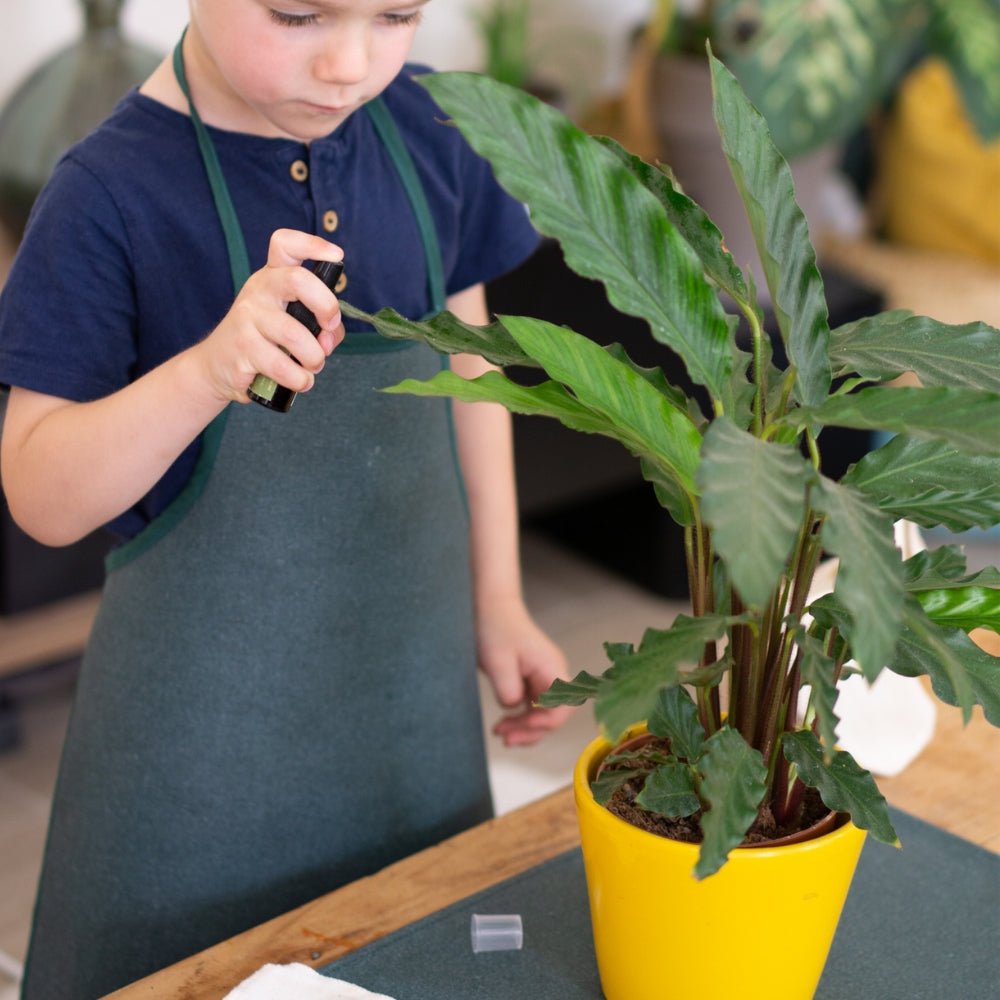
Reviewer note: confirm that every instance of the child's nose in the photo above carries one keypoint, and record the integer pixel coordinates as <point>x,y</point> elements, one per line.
<point>345,57</point>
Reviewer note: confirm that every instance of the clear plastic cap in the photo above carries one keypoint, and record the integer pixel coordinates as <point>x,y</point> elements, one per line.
<point>497,932</point>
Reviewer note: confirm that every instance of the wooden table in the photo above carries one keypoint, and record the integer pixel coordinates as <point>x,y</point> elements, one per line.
<point>54,632</point>
<point>344,920</point>
<point>953,784</point>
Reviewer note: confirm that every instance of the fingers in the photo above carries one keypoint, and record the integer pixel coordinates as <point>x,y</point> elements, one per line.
<point>290,247</point>
<point>509,686</point>
<point>519,678</point>
<point>531,725</point>
<point>259,336</point>
<point>308,289</point>
<point>329,339</point>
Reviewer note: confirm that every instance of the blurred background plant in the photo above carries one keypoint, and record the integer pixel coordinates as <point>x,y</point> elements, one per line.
<point>503,26</point>
<point>519,52</point>
<point>816,69</point>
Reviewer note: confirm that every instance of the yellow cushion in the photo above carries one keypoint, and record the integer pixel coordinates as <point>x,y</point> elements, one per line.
<point>940,182</point>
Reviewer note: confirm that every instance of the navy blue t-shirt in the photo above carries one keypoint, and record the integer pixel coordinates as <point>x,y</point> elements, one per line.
<point>124,263</point>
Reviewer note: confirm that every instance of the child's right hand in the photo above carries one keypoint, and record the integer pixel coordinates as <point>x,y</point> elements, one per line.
<point>69,467</point>
<point>250,337</point>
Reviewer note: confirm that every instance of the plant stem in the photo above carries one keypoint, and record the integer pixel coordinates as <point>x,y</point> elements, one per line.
<point>742,691</point>
<point>779,694</point>
<point>700,560</point>
<point>692,559</point>
<point>759,377</point>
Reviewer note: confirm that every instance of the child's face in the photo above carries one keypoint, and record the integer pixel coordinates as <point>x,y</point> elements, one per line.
<point>294,68</point>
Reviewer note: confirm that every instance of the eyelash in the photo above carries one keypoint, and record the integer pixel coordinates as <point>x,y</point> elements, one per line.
<point>300,20</point>
<point>404,19</point>
<point>291,20</point>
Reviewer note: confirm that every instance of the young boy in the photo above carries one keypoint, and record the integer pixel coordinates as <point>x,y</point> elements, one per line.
<point>279,693</point>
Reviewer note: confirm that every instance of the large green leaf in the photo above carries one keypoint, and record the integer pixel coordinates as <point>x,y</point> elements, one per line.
<point>604,786</point>
<point>944,563</point>
<point>676,718</point>
<point>610,227</point>
<point>549,399</point>
<point>670,791</point>
<point>781,235</point>
<point>885,346</point>
<point>817,671</point>
<point>677,397</point>
<point>646,420</point>
<point>447,334</point>
<point>960,672</point>
<point>944,568</point>
<point>631,687</point>
<point>754,499</point>
<point>692,222</point>
<point>968,419</point>
<point>870,575</point>
<point>579,690</point>
<point>843,785</point>
<point>609,397</point>
<point>930,483</point>
<point>966,608</point>
<point>733,785</point>
<point>967,35</point>
<point>950,659</point>
<point>708,242</point>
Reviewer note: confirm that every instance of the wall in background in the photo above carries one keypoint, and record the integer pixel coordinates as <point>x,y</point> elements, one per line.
<point>580,44</point>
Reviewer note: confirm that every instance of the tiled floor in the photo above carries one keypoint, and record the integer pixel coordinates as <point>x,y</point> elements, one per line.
<point>578,605</point>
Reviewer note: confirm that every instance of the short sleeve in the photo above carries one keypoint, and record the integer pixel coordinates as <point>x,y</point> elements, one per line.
<point>497,232</point>
<point>62,332</point>
<point>484,231</point>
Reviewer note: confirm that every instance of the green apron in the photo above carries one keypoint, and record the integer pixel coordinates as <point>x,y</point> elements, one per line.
<point>279,694</point>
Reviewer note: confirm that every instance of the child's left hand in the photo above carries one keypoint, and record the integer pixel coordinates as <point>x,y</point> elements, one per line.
<point>521,662</point>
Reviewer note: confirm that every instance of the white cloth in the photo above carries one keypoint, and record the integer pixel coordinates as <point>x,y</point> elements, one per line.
<point>297,982</point>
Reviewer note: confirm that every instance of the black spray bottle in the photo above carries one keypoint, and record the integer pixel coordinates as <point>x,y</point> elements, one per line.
<point>266,391</point>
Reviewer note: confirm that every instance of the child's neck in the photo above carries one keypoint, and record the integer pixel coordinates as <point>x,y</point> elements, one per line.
<point>162,86</point>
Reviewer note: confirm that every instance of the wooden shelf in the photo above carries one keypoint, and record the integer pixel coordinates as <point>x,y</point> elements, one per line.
<point>47,634</point>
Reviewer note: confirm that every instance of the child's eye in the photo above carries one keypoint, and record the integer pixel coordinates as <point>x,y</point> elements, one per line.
<point>292,20</point>
<point>402,18</point>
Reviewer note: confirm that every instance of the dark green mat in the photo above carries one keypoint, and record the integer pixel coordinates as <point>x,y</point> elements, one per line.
<point>921,923</point>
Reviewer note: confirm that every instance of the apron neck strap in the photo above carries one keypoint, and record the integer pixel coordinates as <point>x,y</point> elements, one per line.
<point>239,260</point>
<point>387,132</point>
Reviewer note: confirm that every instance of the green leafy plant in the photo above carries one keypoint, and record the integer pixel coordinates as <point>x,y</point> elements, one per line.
<point>503,26</point>
<point>817,70</point>
<point>739,464</point>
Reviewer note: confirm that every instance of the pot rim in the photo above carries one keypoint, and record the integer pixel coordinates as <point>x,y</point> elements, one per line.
<point>590,759</point>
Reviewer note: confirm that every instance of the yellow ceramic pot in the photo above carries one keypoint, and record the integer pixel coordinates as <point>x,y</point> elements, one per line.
<point>759,929</point>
